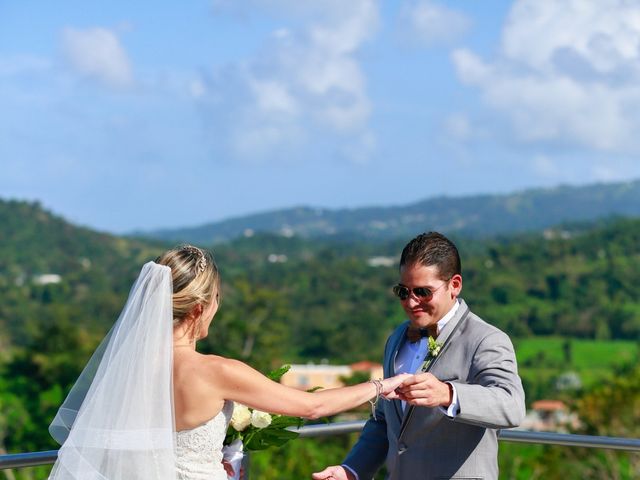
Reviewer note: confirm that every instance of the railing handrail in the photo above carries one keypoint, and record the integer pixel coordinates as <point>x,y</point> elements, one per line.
<point>508,435</point>
<point>32,459</point>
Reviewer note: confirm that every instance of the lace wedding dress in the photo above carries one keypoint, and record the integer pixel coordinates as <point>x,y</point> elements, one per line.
<point>199,450</point>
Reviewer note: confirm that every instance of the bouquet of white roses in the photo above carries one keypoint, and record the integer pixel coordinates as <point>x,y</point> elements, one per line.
<point>252,429</point>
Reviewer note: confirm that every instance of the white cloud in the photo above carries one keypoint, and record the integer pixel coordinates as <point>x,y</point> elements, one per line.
<point>545,166</point>
<point>259,142</point>
<point>273,96</point>
<point>97,53</point>
<point>604,33</point>
<point>458,126</point>
<point>196,88</point>
<point>305,85</point>
<point>567,73</point>
<point>429,23</point>
<point>360,149</point>
<point>471,69</point>
<point>17,65</point>
<point>607,173</point>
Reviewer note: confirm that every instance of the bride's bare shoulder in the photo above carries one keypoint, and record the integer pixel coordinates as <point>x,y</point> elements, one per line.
<point>210,370</point>
<point>215,366</point>
<point>200,372</point>
<point>216,361</point>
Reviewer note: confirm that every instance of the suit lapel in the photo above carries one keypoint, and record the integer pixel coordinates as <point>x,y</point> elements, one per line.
<point>391,366</point>
<point>451,325</point>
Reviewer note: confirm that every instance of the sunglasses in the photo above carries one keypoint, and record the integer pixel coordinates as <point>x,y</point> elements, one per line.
<point>403,292</point>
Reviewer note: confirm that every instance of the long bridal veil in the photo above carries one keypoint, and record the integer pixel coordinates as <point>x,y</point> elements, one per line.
<point>117,421</point>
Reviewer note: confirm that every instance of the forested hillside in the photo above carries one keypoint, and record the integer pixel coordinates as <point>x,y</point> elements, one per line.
<point>296,299</point>
<point>579,282</point>
<point>472,216</point>
<point>52,271</point>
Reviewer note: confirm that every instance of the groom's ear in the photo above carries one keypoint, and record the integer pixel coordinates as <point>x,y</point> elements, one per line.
<point>455,285</point>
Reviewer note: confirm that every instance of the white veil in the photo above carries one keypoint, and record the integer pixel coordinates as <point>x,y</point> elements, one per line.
<point>118,421</point>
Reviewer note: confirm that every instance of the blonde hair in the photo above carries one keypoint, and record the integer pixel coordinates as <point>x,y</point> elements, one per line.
<point>195,277</point>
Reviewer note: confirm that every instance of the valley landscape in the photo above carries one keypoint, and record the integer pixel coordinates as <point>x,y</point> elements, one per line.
<point>293,293</point>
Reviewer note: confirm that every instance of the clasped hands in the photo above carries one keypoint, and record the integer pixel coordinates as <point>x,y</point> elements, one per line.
<point>424,390</point>
<point>421,389</point>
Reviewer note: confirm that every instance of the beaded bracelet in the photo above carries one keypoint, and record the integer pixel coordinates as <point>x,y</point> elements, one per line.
<point>374,403</point>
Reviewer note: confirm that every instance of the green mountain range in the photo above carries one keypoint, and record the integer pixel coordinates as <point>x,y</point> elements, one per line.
<point>477,216</point>
<point>291,299</point>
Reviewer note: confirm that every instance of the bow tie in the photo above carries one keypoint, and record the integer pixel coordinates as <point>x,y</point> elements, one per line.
<point>415,334</point>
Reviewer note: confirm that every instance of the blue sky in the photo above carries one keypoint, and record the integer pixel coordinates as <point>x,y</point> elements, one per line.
<point>139,115</point>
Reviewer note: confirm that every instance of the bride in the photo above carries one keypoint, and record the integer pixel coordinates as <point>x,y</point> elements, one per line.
<point>147,405</point>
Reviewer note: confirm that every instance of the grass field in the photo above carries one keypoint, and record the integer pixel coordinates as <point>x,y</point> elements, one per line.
<point>542,359</point>
<point>584,353</point>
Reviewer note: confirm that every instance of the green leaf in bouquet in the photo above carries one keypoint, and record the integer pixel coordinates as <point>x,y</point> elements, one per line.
<point>267,437</point>
<point>231,435</point>
<point>283,421</point>
<point>277,438</point>
<point>276,375</point>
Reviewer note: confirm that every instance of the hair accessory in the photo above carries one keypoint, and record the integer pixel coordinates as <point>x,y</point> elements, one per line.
<point>201,262</point>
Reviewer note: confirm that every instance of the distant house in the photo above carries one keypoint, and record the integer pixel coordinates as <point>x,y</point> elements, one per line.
<point>47,279</point>
<point>276,258</point>
<point>312,375</point>
<point>549,416</point>
<point>375,369</point>
<point>382,261</point>
<point>308,376</point>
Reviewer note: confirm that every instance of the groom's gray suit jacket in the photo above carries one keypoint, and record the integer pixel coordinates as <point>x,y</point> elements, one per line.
<point>424,443</point>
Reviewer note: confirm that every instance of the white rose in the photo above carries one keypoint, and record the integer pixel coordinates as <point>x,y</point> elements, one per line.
<point>260,419</point>
<point>241,417</point>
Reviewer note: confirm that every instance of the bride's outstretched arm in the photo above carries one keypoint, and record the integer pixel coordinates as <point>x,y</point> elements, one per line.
<point>239,382</point>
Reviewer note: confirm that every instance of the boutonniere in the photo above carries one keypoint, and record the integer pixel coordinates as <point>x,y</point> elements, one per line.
<point>434,347</point>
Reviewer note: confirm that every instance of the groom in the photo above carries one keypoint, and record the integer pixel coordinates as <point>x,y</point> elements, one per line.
<point>465,389</point>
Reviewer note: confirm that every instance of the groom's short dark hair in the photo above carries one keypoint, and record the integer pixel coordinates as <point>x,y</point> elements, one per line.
<point>433,248</point>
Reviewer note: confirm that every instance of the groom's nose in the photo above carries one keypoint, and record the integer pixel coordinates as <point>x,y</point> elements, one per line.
<point>412,301</point>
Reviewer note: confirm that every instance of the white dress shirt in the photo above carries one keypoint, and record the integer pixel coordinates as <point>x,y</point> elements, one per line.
<point>411,356</point>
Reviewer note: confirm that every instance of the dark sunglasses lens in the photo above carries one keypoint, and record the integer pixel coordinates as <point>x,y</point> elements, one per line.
<point>401,292</point>
<point>422,292</point>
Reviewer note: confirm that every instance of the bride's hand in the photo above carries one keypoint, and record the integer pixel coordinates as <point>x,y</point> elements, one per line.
<point>389,385</point>
<point>228,468</point>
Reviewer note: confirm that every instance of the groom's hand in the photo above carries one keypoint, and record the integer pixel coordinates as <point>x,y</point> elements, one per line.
<point>334,472</point>
<point>390,385</point>
<point>425,390</point>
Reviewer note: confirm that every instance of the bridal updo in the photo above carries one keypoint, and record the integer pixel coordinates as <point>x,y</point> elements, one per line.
<point>195,280</point>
